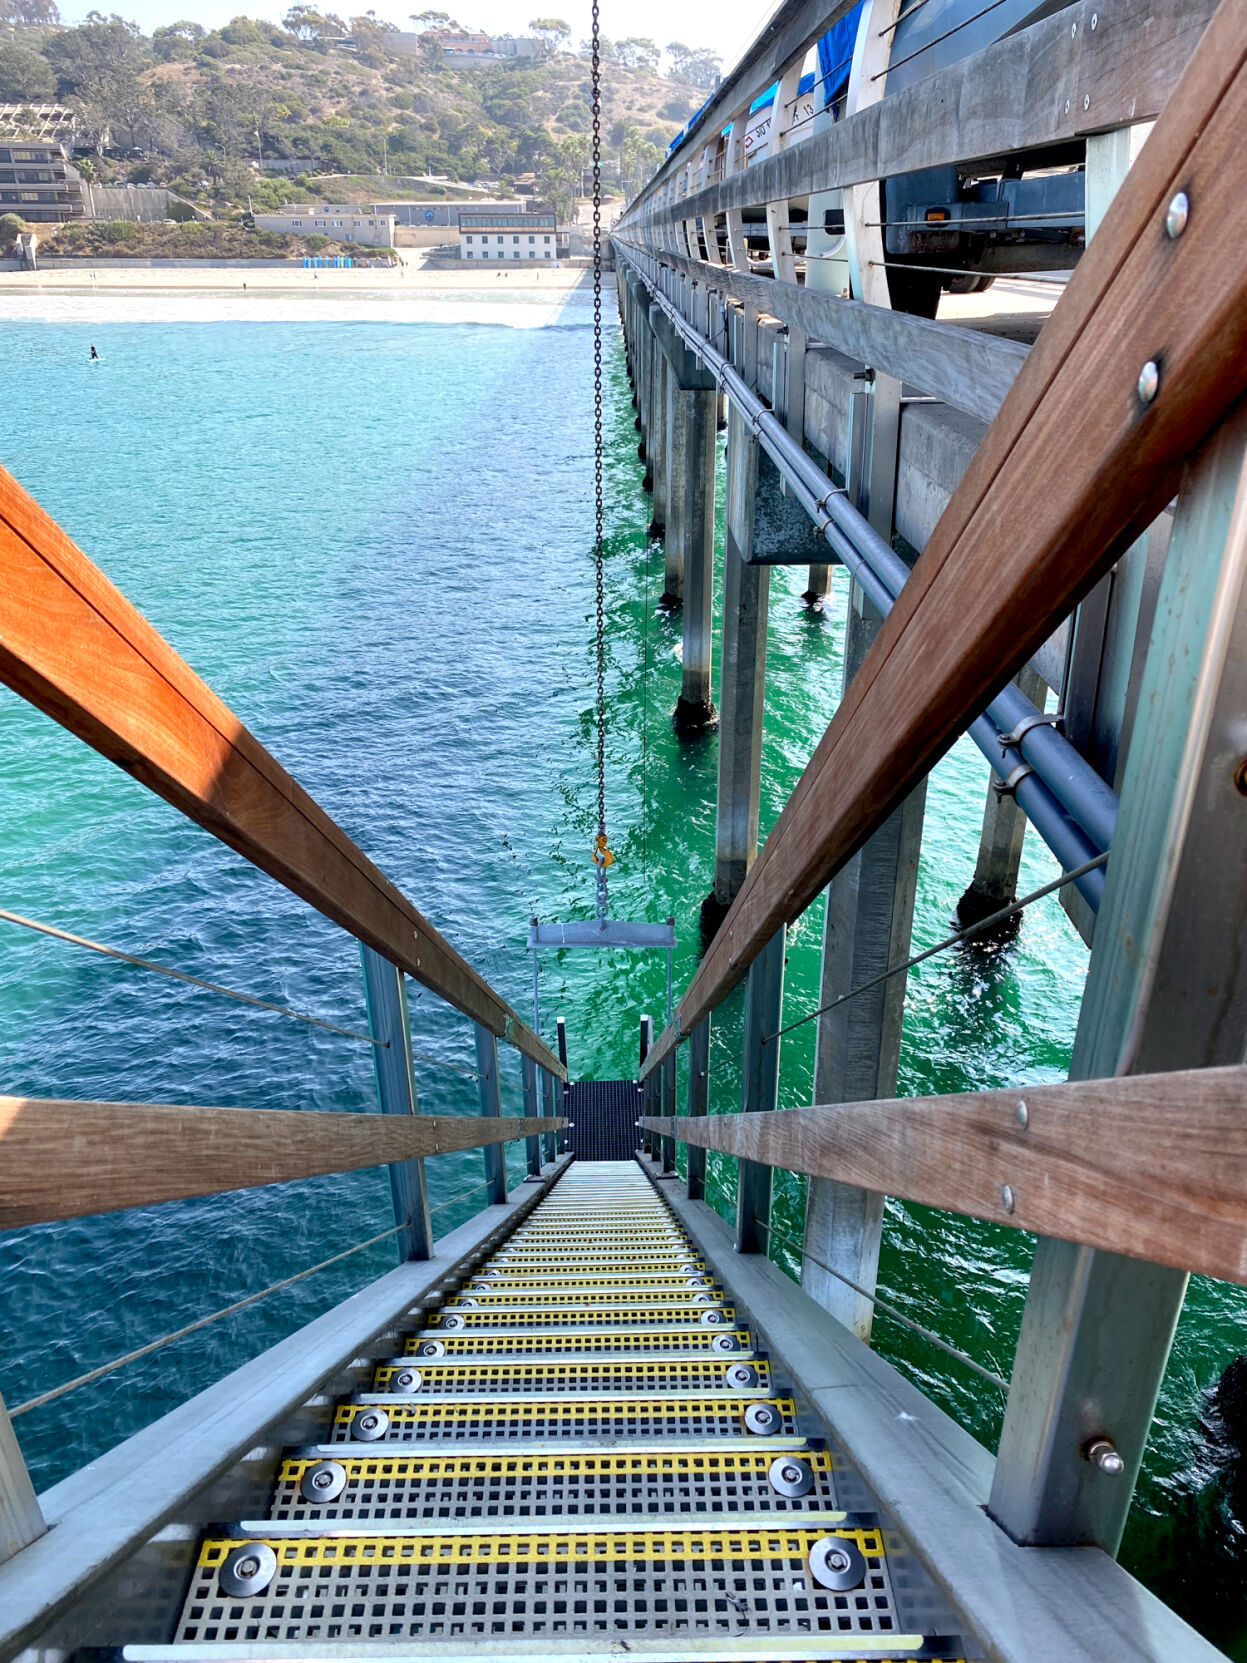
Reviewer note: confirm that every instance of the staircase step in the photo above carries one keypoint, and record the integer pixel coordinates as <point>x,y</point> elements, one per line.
<point>701,1371</point>
<point>728,1579</point>
<point>582,1315</point>
<point>604,1414</point>
<point>564,1478</point>
<point>583,1340</point>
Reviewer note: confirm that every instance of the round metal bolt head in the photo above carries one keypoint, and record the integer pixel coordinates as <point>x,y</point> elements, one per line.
<point>725,1342</point>
<point>687,1270</point>
<point>741,1375</point>
<point>762,1418</point>
<point>481,1287</point>
<point>406,1380</point>
<point>1086,100</point>
<point>712,1318</point>
<point>1073,30</point>
<point>248,1570</point>
<point>323,1482</point>
<point>703,1299</point>
<point>453,1323</point>
<point>1024,1115</point>
<point>1095,20</point>
<point>837,1563</point>
<point>697,1282</point>
<point>791,1477</point>
<point>369,1425</point>
<point>431,1348</point>
<point>1178,214</point>
<point>1067,106</point>
<point>1006,1197</point>
<point>1149,381</point>
<point>1102,1453</point>
<point>465,1304</point>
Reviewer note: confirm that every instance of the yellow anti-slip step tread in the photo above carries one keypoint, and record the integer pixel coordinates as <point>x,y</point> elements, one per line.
<point>709,1369</point>
<point>614,1342</point>
<point>392,1463</point>
<point>770,1539</point>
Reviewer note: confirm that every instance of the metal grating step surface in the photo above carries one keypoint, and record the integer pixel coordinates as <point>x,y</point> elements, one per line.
<point>662,1480</point>
<point>578,1341</point>
<point>379,1585</point>
<point>579,1452</point>
<point>582,1316</point>
<point>375,1417</point>
<point>562,1374</point>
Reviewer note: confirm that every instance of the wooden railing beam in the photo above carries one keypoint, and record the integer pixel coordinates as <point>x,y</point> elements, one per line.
<point>1153,1166</point>
<point>63,1159</point>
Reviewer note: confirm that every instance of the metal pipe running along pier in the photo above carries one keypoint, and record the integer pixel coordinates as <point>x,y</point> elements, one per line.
<point>596,1419</point>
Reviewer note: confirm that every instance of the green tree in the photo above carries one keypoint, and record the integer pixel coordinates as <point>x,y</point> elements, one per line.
<point>696,65</point>
<point>25,77</point>
<point>638,53</point>
<point>29,14</point>
<point>173,41</point>
<point>551,32</point>
<point>11,227</point>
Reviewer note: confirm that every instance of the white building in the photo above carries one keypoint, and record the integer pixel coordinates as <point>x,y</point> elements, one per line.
<point>349,223</point>
<point>506,237</point>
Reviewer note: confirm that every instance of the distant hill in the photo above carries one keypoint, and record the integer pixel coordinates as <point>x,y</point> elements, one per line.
<point>194,108</point>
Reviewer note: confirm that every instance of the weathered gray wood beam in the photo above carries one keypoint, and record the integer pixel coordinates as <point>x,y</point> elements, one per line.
<point>1153,1166</point>
<point>968,370</point>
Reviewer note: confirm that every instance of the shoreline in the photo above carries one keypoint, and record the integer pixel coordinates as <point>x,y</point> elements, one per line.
<point>402,280</point>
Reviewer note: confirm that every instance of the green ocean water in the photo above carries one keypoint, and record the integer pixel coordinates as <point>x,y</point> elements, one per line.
<point>370,528</point>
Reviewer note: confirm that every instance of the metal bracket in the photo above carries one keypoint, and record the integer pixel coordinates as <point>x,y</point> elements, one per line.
<point>1008,787</point>
<point>1010,740</point>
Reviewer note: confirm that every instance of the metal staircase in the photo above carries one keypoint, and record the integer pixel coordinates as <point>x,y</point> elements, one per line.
<point>580,1453</point>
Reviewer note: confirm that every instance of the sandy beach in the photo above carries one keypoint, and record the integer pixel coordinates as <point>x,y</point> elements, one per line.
<point>409,278</point>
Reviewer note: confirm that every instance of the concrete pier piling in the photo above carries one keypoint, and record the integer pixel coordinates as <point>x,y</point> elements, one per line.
<point>691,450</point>
<point>995,881</point>
<point>742,680</point>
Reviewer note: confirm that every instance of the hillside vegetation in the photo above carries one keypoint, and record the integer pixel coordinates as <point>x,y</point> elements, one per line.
<point>195,108</point>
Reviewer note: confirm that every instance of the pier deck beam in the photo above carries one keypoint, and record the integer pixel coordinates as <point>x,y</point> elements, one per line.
<point>1166,989</point>
<point>385,995</point>
<point>995,881</point>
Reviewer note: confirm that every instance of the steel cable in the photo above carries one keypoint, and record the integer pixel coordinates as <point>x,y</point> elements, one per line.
<point>193,1327</point>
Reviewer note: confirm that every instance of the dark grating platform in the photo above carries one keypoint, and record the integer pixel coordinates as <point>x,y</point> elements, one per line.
<point>603,1114</point>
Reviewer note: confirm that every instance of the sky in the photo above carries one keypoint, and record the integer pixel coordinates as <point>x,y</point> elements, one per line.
<point>725,26</point>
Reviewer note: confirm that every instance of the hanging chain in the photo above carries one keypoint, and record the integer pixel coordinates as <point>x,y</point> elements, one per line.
<point>602,856</point>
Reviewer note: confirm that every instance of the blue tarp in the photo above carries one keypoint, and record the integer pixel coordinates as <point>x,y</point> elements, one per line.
<point>835,56</point>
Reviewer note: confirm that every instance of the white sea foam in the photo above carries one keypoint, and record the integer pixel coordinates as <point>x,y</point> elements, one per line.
<point>519,310</point>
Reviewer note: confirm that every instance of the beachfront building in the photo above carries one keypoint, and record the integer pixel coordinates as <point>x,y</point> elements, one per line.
<point>435,223</point>
<point>507,237</point>
<point>349,223</point>
<point>38,182</point>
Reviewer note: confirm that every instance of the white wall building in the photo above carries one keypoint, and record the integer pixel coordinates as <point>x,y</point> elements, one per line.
<point>507,237</point>
<point>349,223</point>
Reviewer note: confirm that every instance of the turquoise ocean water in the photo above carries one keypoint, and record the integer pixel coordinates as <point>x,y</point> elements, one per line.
<point>368,525</point>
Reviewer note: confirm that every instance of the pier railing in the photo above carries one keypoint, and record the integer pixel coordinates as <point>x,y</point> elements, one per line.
<point>73,646</point>
<point>1079,509</point>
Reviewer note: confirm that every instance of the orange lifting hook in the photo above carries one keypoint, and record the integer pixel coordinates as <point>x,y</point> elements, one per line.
<point>602,857</point>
